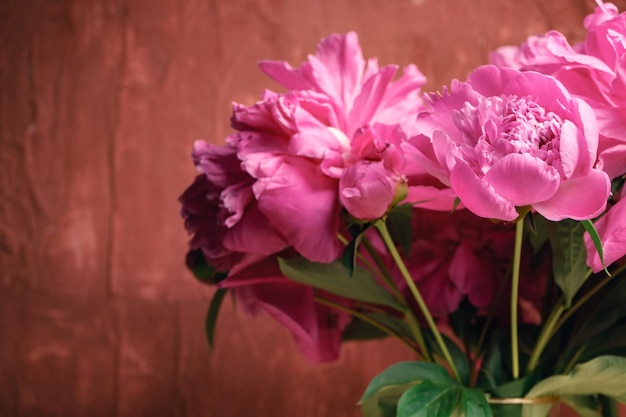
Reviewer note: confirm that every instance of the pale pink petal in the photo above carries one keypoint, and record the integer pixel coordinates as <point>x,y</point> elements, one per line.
<point>490,80</point>
<point>590,135</point>
<point>578,198</point>
<point>478,196</point>
<point>284,74</point>
<point>370,98</point>
<point>438,117</point>
<point>613,160</point>
<point>403,99</point>
<point>545,90</point>
<point>314,139</point>
<point>432,198</point>
<point>522,179</point>
<point>338,67</point>
<point>570,149</point>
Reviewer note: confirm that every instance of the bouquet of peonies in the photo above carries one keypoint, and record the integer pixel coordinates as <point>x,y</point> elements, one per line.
<point>482,226</point>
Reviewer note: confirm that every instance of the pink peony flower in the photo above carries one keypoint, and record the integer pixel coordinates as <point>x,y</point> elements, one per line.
<point>594,70</point>
<point>299,145</point>
<point>297,159</point>
<point>505,140</point>
<point>611,228</point>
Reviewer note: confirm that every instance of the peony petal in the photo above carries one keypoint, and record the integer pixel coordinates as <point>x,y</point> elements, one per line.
<point>367,103</point>
<point>432,198</point>
<point>338,67</point>
<point>613,160</point>
<point>523,179</point>
<point>544,89</point>
<point>570,149</point>
<point>253,234</point>
<point>490,80</point>
<point>578,198</point>
<point>471,276</point>
<point>284,74</point>
<point>301,203</point>
<point>478,196</point>
<point>443,105</point>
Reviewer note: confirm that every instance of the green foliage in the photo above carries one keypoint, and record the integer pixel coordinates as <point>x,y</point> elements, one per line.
<point>603,375</point>
<point>595,238</point>
<point>421,389</point>
<point>399,223</point>
<point>362,330</point>
<point>402,373</point>
<point>430,399</point>
<point>348,257</point>
<point>202,270</point>
<point>212,313</point>
<point>569,257</point>
<point>336,279</point>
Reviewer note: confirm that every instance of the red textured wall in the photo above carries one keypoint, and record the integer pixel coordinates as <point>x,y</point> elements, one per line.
<point>100,101</point>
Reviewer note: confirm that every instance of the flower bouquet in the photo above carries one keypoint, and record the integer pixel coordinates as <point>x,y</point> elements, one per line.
<point>481,226</point>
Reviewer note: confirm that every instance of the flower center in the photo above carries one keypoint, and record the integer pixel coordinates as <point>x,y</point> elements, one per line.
<point>502,125</point>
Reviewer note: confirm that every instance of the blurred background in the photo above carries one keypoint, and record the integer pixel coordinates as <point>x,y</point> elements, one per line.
<point>100,102</point>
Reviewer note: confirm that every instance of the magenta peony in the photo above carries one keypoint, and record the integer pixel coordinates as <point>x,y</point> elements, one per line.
<point>341,118</point>
<point>507,140</point>
<point>332,142</point>
<point>594,70</point>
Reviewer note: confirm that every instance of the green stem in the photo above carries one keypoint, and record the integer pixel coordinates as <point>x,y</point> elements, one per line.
<point>517,256</point>
<point>369,320</point>
<point>384,274</point>
<point>384,233</point>
<point>410,318</point>
<point>549,328</point>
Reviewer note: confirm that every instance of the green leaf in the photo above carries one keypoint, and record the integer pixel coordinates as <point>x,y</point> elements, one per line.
<point>430,399</point>
<point>593,323</point>
<point>491,368</point>
<point>403,373</point>
<point>362,330</point>
<point>604,375</point>
<point>204,272</point>
<point>334,278</point>
<point>211,317</point>
<point>512,389</point>
<point>595,238</point>
<point>456,203</point>
<point>538,234</point>
<point>474,403</point>
<point>569,257</point>
<point>399,223</point>
<point>458,357</point>
<point>348,257</point>
<point>384,403</point>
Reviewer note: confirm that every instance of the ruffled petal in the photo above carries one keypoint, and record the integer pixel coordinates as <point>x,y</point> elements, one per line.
<point>301,203</point>
<point>478,196</point>
<point>578,198</point>
<point>523,179</point>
